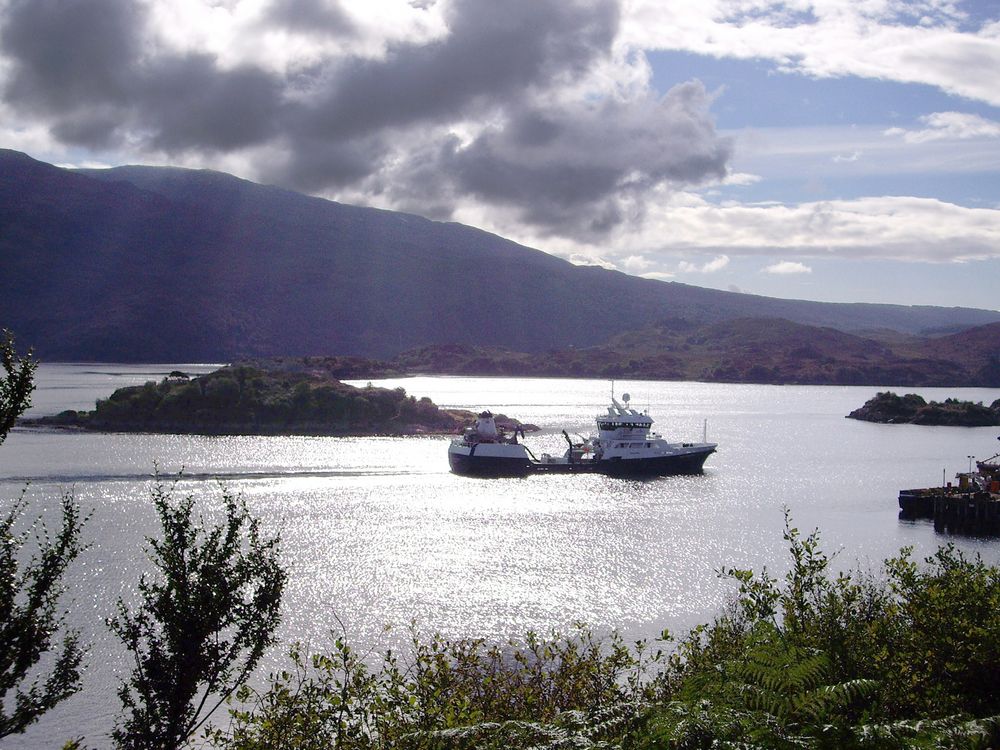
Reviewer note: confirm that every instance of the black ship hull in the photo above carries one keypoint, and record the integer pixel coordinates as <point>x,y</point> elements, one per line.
<point>484,465</point>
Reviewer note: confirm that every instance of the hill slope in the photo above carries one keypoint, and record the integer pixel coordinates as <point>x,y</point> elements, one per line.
<point>163,264</point>
<point>745,350</point>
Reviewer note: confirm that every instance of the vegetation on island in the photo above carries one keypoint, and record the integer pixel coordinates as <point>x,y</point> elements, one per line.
<point>911,408</point>
<point>279,397</point>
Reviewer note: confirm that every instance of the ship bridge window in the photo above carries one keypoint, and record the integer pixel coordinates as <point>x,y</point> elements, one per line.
<point>621,425</point>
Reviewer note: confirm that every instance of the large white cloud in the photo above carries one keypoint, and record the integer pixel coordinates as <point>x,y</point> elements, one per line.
<point>881,228</point>
<point>908,42</point>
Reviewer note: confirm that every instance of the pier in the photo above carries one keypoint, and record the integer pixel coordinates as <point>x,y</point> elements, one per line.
<point>971,507</point>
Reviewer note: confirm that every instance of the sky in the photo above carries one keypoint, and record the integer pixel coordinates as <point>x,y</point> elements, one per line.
<point>835,150</point>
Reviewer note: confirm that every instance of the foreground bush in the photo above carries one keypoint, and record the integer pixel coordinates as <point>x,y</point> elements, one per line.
<point>908,660</point>
<point>202,622</point>
<point>451,693</point>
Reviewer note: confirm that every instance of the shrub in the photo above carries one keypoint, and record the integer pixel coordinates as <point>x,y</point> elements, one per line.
<point>448,693</point>
<point>202,623</point>
<point>30,619</point>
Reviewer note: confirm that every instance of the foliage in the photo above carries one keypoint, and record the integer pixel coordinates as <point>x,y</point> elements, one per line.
<point>808,660</point>
<point>776,695</point>
<point>30,619</point>
<point>942,644</point>
<point>818,660</point>
<point>559,692</point>
<point>16,384</point>
<point>202,623</point>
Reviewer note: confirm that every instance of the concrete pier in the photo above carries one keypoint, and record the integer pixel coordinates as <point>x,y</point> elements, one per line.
<point>953,509</point>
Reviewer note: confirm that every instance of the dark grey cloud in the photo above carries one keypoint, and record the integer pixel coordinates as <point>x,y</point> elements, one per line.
<point>494,56</point>
<point>494,51</point>
<point>70,54</point>
<point>189,102</point>
<point>91,70</point>
<point>318,164</point>
<point>313,17</point>
<point>580,169</point>
<point>81,63</point>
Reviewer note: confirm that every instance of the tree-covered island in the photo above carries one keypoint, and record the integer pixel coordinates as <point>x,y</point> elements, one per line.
<point>275,397</point>
<point>890,408</point>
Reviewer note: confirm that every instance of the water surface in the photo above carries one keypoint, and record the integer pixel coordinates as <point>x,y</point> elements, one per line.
<point>376,531</point>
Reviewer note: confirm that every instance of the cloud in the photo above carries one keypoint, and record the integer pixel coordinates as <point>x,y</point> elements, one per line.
<point>526,106</point>
<point>787,267</point>
<point>683,224</point>
<point>741,179</point>
<point>82,65</point>
<point>311,17</point>
<point>949,126</point>
<point>841,158</point>
<point>579,169</point>
<point>823,152</point>
<point>930,42</point>
<point>491,50</point>
<point>711,266</point>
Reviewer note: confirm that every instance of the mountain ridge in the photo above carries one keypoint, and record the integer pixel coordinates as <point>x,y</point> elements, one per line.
<point>167,264</point>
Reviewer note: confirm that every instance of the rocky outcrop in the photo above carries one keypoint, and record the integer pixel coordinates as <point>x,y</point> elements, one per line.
<point>889,408</point>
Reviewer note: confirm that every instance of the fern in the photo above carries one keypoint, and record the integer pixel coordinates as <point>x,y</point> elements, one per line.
<point>570,730</point>
<point>776,694</point>
<point>949,732</point>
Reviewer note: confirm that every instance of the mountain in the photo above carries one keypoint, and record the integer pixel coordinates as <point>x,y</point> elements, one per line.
<point>165,264</point>
<point>745,350</point>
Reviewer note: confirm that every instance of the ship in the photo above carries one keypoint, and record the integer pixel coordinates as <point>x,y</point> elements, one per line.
<point>624,445</point>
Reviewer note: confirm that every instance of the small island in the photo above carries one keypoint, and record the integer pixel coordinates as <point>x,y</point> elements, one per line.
<point>890,408</point>
<point>274,397</point>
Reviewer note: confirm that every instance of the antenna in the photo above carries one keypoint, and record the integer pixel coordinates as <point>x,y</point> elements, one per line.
<point>704,432</point>
<point>612,389</point>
